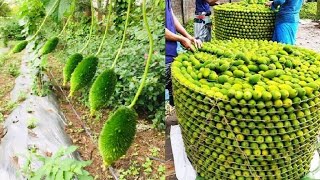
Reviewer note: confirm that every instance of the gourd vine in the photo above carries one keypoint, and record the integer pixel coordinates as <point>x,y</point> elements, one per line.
<point>105,84</point>
<point>119,130</point>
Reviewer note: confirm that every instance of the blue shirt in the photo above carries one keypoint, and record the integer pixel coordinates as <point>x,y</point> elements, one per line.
<point>289,10</point>
<point>202,6</point>
<point>171,46</point>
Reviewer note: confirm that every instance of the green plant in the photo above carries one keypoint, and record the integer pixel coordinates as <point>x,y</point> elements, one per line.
<point>309,11</point>
<point>119,130</point>
<point>161,170</point>
<point>31,13</point>
<point>14,70</point>
<point>4,9</point>
<point>132,171</point>
<point>147,166</point>
<point>32,123</point>
<point>57,166</point>
<point>155,151</point>
<point>10,30</point>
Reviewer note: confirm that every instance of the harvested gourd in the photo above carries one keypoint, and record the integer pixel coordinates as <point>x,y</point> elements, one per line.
<point>243,20</point>
<point>248,109</point>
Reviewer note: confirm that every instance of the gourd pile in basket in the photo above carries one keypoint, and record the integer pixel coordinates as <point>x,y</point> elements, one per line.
<point>243,20</point>
<point>248,109</point>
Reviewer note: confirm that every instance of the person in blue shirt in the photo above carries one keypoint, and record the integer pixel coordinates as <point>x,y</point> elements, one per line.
<point>202,21</point>
<point>173,27</point>
<point>287,20</point>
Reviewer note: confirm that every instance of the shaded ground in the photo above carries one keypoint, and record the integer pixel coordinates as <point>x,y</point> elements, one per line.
<point>309,35</point>
<point>145,158</point>
<point>9,70</point>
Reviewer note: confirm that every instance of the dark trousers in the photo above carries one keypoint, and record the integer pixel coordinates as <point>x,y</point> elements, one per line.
<point>169,83</point>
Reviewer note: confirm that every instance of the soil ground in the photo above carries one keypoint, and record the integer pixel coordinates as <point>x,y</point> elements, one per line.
<point>149,143</point>
<point>309,35</point>
<point>9,70</point>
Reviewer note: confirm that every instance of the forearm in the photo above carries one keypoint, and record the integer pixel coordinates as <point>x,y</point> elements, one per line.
<point>180,29</point>
<point>212,2</point>
<point>171,36</point>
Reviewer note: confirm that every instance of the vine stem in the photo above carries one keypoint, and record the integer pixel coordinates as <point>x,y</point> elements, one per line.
<point>72,11</point>
<point>107,25</point>
<point>149,56</point>
<point>123,36</point>
<point>44,20</point>
<point>91,28</point>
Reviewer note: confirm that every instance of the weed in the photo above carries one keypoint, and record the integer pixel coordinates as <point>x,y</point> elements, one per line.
<point>57,166</point>
<point>22,97</point>
<point>154,151</point>
<point>132,171</point>
<point>14,70</point>
<point>147,166</point>
<point>32,123</point>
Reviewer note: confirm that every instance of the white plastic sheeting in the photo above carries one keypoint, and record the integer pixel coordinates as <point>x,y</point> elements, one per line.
<point>47,136</point>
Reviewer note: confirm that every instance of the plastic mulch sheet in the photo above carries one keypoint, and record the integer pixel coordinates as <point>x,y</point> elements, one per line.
<point>47,136</point>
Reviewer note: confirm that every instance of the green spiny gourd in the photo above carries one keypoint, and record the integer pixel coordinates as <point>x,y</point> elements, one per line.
<point>117,134</point>
<point>102,89</point>
<point>50,46</point>
<point>20,46</point>
<point>83,73</point>
<point>71,64</point>
<point>119,130</point>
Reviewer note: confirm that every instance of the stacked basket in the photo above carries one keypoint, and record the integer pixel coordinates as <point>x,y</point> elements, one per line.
<point>248,109</point>
<point>242,20</point>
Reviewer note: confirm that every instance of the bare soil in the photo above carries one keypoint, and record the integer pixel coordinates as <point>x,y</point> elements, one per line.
<point>9,66</point>
<point>146,137</point>
<point>309,35</point>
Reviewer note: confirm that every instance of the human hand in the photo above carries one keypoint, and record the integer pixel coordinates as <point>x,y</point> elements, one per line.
<point>269,3</point>
<point>197,42</point>
<point>185,42</point>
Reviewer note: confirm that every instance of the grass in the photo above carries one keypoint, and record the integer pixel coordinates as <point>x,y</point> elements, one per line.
<point>309,11</point>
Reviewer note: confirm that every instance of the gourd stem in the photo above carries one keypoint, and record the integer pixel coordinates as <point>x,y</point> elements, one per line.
<point>91,28</point>
<point>123,36</point>
<point>107,25</point>
<point>44,20</point>
<point>149,55</point>
<point>72,11</point>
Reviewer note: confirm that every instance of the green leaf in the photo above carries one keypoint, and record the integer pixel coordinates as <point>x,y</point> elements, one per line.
<point>59,175</point>
<point>67,175</point>
<point>63,7</point>
<point>84,177</point>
